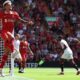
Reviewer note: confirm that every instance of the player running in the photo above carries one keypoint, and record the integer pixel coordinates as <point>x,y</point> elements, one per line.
<point>24,50</point>
<point>7,18</point>
<point>67,55</point>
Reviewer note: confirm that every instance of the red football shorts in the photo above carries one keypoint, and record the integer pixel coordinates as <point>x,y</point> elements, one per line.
<point>8,40</point>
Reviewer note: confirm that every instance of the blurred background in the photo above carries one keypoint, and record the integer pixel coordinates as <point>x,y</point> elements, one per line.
<point>51,18</point>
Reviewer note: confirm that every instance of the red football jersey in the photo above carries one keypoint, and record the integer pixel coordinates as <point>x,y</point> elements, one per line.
<point>8,19</point>
<point>23,47</point>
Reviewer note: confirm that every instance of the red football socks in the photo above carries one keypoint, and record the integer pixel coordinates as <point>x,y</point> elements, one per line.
<point>4,59</point>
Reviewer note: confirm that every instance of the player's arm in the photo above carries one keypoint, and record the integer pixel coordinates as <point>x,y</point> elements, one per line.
<point>63,46</point>
<point>29,49</point>
<point>25,21</point>
<point>78,41</point>
<point>19,19</point>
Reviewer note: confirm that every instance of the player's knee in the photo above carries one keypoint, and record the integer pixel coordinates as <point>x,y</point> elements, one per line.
<point>10,36</point>
<point>8,50</point>
<point>4,36</point>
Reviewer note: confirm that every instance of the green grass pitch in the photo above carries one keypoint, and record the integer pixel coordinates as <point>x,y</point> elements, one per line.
<point>42,74</point>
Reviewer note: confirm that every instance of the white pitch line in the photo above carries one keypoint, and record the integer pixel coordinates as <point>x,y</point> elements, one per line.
<point>15,78</point>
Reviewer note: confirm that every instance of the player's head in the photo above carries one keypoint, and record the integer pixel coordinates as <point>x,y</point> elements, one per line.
<point>23,38</point>
<point>60,37</point>
<point>17,36</point>
<point>7,5</point>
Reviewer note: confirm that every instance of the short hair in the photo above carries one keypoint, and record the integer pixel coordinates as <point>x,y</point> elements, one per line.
<point>17,35</point>
<point>7,2</point>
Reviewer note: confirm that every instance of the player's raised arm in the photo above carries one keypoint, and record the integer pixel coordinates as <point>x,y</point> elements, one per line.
<point>26,21</point>
<point>19,19</point>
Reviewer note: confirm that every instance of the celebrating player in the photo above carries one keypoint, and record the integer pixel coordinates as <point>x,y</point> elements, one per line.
<point>24,50</point>
<point>67,55</point>
<point>7,18</point>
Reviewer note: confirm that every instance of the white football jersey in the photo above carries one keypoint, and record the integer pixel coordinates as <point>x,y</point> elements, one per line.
<point>68,53</point>
<point>64,43</point>
<point>16,44</point>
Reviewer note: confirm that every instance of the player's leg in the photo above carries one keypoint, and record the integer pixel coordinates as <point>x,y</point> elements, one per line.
<point>4,35</point>
<point>75,66</point>
<point>8,40</point>
<point>3,61</point>
<point>23,66</point>
<point>8,49</point>
<point>62,66</point>
<point>10,36</point>
<point>4,57</point>
<point>23,63</point>
<point>16,55</point>
<point>19,61</point>
<point>20,66</point>
<point>7,36</point>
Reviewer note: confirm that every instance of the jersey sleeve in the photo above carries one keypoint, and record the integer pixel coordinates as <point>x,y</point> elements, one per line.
<point>17,17</point>
<point>62,43</point>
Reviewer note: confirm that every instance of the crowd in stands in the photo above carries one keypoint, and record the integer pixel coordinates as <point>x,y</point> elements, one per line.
<point>43,34</point>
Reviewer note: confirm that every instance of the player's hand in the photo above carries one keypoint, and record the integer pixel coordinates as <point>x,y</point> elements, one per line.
<point>30,22</point>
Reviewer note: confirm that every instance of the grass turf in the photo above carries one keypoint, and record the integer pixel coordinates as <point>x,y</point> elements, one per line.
<point>42,74</point>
